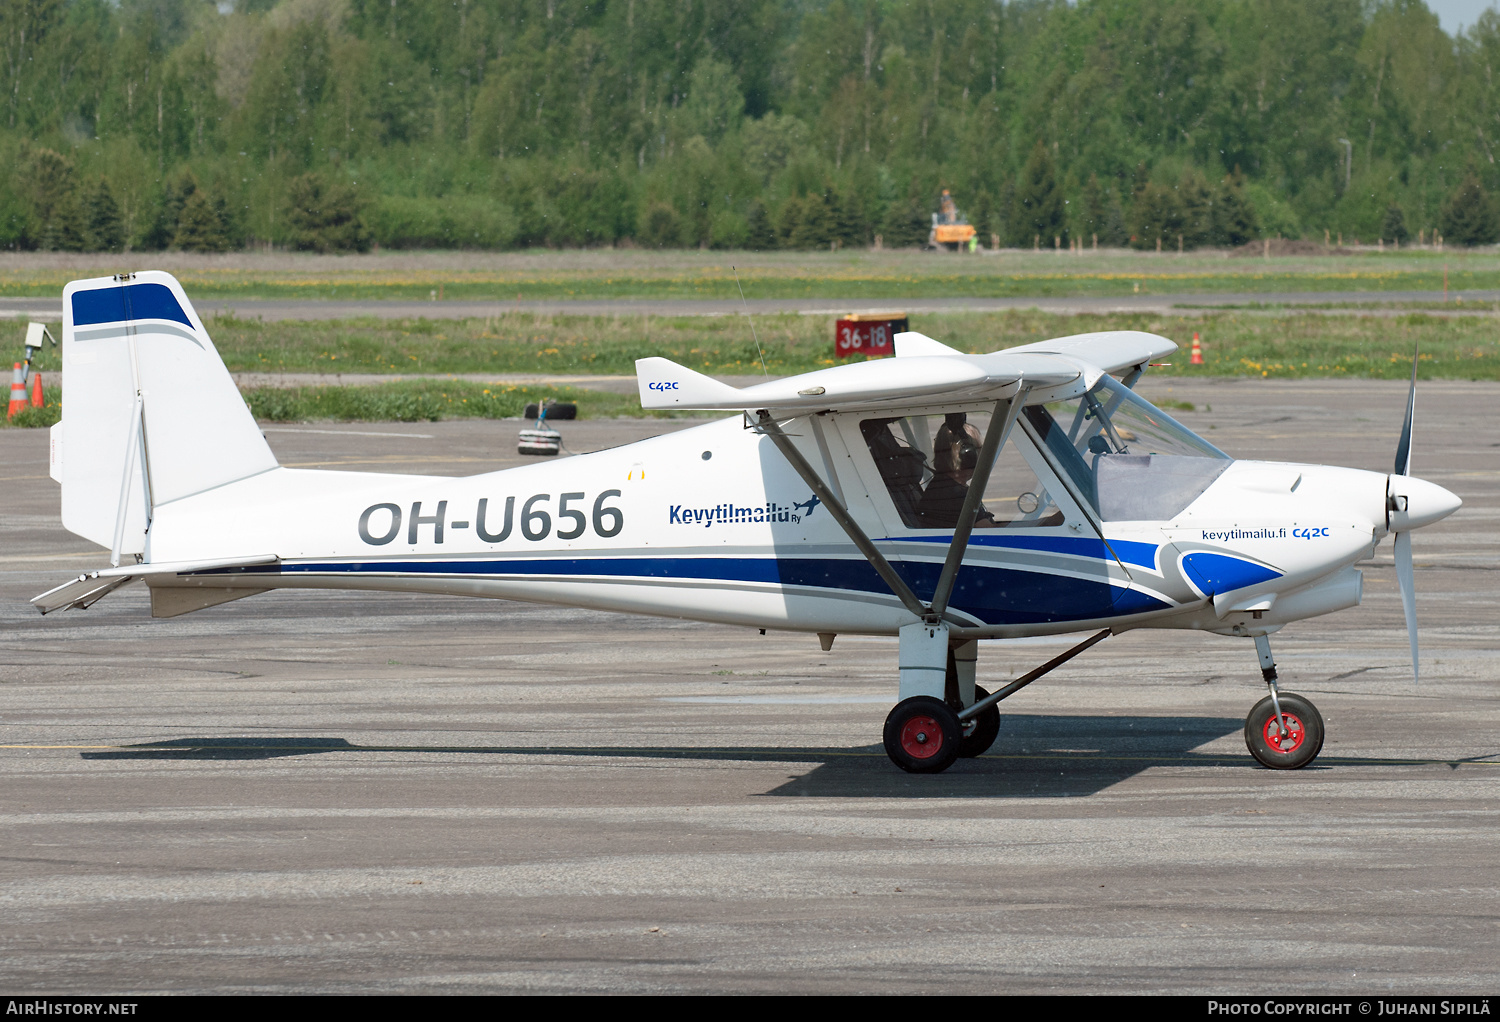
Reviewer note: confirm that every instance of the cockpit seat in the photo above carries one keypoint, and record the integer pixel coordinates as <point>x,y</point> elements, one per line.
<point>900,466</point>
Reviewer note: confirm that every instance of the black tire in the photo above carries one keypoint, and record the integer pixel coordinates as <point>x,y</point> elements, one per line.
<point>559,410</point>
<point>980,733</point>
<point>1306,726</point>
<point>922,735</point>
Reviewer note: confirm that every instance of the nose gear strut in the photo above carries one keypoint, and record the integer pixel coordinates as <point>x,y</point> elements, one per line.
<point>1268,672</point>
<point>1283,731</point>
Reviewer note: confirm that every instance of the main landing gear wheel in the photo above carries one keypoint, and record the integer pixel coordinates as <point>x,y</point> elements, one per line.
<point>1289,749</point>
<point>980,732</point>
<point>922,736</point>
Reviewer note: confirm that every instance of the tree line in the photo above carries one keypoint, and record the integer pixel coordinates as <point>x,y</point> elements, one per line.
<point>336,125</point>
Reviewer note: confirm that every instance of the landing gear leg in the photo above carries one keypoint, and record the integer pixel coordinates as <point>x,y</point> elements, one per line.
<point>1283,731</point>
<point>979,732</point>
<point>1268,672</point>
<point>922,734</point>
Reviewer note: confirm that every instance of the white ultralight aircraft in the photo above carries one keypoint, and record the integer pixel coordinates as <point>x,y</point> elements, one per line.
<point>936,496</point>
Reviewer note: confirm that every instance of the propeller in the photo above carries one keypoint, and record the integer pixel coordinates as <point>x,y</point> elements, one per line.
<point>1408,595</point>
<point>1403,537</point>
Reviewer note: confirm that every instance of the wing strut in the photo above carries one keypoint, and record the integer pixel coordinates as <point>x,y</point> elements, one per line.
<point>994,439</point>
<point>969,713</point>
<point>768,426</point>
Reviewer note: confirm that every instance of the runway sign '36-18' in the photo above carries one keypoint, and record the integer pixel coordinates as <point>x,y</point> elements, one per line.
<point>869,335</point>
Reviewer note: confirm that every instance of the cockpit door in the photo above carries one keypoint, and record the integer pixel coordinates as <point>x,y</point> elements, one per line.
<point>1034,554</point>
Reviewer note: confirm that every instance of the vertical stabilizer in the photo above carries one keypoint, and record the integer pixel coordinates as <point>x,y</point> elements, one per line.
<point>150,413</point>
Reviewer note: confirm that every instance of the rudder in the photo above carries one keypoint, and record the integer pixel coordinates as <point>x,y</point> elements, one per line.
<point>150,414</point>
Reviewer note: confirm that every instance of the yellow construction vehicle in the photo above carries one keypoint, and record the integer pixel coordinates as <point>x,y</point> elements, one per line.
<point>949,228</point>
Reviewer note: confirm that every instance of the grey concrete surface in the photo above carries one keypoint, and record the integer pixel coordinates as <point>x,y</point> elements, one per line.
<point>350,793</point>
<point>1481,303</point>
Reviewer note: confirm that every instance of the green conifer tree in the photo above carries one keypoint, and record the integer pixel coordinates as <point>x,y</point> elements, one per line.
<point>162,233</point>
<point>762,233</point>
<point>847,218</point>
<point>1039,201</point>
<point>199,227</point>
<point>1234,218</point>
<point>1093,208</point>
<point>983,216</point>
<point>1469,217</point>
<point>229,222</point>
<point>106,228</point>
<point>1393,227</point>
<point>788,219</point>
<point>814,228</point>
<point>1197,202</point>
<point>1155,216</point>
<point>1102,214</point>
<point>66,230</point>
<point>325,216</point>
<point>908,222</point>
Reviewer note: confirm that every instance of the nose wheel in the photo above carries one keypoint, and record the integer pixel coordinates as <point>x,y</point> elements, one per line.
<point>1284,731</point>
<point>1286,743</point>
<point>923,736</point>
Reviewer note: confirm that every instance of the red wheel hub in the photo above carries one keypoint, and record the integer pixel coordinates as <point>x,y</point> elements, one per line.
<point>922,737</point>
<point>1285,741</point>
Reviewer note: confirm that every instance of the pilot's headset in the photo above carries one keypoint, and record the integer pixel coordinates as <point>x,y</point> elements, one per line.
<point>956,423</point>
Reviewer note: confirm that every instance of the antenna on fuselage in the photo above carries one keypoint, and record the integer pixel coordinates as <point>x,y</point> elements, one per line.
<point>746,306</point>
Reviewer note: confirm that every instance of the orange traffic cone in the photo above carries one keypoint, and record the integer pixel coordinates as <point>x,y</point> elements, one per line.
<point>37,401</point>
<point>17,392</point>
<point>1197,358</point>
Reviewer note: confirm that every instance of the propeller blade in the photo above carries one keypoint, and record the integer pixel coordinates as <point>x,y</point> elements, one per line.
<point>1403,446</point>
<point>1408,595</point>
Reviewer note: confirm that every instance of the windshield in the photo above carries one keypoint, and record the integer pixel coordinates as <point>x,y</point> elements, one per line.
<point>1127,458</point>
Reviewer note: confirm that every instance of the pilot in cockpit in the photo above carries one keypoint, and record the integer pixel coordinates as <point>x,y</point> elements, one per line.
<point>955,454</point>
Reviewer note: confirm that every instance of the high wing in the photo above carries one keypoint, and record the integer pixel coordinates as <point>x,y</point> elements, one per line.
<point>1110,350</point>
<point>924,368</point>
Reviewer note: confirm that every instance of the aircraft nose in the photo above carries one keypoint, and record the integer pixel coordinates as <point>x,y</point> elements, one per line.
<point>1414,503</point>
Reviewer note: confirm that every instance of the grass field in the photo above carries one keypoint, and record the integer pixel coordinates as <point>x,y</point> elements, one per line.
<point>404,401</point>
<point>862,274</point>
<point>1256,340</point>
<point>1236,343</point>
<point>429,401</point>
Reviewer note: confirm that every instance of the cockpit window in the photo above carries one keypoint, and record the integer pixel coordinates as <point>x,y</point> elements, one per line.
<point>927,462</point>
<point>1126,457</point>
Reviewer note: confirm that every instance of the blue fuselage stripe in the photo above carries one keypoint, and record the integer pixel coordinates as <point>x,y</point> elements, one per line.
<point>1130,551</point>
<point>994,595</point>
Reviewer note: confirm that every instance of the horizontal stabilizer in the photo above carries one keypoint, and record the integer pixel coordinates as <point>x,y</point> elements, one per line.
<point>86,590</point>
<point>665,384</point>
